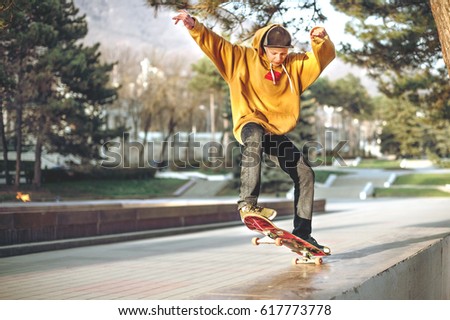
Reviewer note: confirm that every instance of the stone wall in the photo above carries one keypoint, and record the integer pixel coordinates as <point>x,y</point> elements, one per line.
<point>39,222</point>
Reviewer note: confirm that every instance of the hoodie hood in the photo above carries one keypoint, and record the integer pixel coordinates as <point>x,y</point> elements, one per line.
<point>259,36</point>
<point>257,45</point>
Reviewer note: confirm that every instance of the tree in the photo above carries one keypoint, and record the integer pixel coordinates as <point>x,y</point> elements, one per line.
<point>399,39</point>
<point>126,73</point>
<point>7,8</point>
<point>62,84</point>
<point>404,140</point>
<point>401,49</point>
<point>346,92</point>
<point>211,90</point>
<point>242,18</point>
<point>6,89</point>
<point>19,43</point>
<point>152,100</point>
<point>441,14</point>
<point>394,35</point>
<point>209,86</point>
<point>3,135</point>
<point>350,103</point>
<point>305,132</point>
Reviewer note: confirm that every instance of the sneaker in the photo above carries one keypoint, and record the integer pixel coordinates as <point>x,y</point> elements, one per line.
<point>313,241</point>
<point>254,209</point>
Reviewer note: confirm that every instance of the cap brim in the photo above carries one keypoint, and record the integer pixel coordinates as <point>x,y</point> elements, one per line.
<point>278,46</point>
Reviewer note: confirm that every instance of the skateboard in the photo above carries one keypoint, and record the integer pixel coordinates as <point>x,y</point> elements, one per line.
<point>308,252</point>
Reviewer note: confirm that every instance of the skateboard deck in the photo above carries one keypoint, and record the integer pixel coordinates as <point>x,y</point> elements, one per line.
<point>308,252</point>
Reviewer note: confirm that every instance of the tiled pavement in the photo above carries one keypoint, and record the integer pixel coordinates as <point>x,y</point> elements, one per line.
<point>366,238</point>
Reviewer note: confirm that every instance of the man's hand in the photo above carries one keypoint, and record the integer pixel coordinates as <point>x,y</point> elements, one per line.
<point>318,32</point>
<point>187,20</point>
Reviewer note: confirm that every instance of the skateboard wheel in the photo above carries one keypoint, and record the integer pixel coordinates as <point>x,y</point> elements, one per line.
<point>318,261</point>
<point>327,250</point>
<point>278,242</point>
<point>294,261</point>
<point>255,241</point>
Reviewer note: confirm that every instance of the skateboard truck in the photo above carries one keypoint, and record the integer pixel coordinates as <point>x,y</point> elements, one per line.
<point>306,256</point>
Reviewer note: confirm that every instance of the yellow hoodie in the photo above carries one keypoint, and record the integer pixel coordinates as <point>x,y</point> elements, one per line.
<point>255,96</point>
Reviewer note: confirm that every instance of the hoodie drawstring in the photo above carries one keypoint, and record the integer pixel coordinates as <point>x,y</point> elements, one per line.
<point>273,74</point>
<point>289,78</point>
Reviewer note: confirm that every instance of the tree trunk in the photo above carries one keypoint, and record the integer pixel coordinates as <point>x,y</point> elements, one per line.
<point>441,14</point>
<point>37,178</point>
<point>165,143</point>
<point>5,147</point>
<point>147,123</point>
<point>37,162</point>
<point>18,144</point>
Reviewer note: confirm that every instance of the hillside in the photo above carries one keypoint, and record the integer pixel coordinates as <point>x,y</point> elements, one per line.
<point>133,24</point>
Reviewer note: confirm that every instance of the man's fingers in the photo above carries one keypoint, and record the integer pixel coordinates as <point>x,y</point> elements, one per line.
<point>177,18</point>
<point>318,32</point>
<point>184,16</point>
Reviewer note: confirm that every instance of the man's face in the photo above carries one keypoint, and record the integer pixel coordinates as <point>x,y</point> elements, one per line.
<point>276,55</point>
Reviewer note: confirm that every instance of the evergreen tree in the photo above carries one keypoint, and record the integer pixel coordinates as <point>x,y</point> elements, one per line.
<point>19,42</point>
<point>60,84</point>
<point>394,35</point>
<point>305,133</point>
<point>401,49</point>
<point>404,131</point>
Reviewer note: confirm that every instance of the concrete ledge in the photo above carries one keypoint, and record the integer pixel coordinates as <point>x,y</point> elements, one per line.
<point>390,249</point>
<point>35,247</point>
<point>425,275</point>
<point>43,222</point>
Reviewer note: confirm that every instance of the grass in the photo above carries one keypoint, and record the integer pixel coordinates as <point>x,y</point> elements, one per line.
<point>97,189</point>
<point>426,185</point>
<point>322,175</point>
<point>379,164</point>
<point>429,179</point>
<point>409,192</point>
<point>159,188</point>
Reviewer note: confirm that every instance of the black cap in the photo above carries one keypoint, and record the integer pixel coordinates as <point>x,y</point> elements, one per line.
<point>277,37</point>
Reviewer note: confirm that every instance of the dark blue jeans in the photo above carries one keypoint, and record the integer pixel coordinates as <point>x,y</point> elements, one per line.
<point>284,153</point>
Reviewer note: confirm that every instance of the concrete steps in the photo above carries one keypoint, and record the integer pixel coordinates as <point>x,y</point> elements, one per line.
<point>351,185</point>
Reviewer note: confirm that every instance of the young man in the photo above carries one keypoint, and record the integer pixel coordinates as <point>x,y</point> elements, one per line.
<point>265,83</point>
